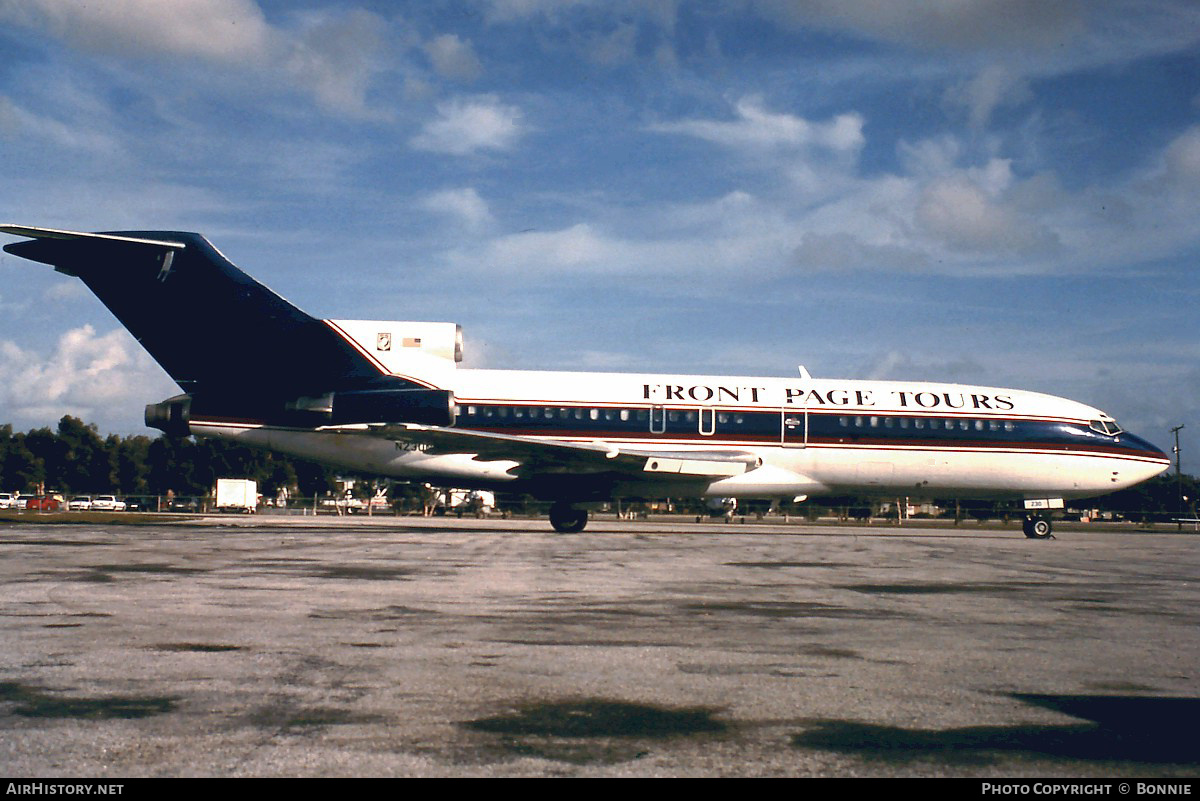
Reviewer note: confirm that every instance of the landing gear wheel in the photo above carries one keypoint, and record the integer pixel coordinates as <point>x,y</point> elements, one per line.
<point>567,519</point>
<point>1038,528</point>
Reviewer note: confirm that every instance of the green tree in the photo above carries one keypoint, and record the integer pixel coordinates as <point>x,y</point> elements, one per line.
<point>87,464</point>
<point>20,469</point>
<point>132,463</point>
<point>50,452</point>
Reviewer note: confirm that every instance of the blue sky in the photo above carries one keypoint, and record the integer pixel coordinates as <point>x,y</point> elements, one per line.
<point>999,192</point>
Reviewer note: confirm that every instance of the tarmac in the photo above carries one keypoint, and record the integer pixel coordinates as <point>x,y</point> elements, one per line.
<point>295,646</point>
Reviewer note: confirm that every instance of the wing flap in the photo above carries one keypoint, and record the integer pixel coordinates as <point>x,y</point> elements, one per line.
<point>542,455</point>
<point>694,467</point>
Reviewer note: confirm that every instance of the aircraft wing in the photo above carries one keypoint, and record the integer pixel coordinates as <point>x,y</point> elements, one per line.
<point>539,455</point>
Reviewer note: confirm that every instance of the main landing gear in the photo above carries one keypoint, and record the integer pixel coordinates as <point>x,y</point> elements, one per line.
<point>567,519</point>
<point>1038,527</point>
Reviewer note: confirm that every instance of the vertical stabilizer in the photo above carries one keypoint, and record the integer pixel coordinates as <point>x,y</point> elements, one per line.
<point>214,329</point>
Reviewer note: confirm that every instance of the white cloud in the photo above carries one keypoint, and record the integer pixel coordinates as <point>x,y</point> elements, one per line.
<point>92,377</point>
<point>729,235</point>
<point>937,23</point>
<point>466,125</point>
<point>994,87</point>
<point>895,364</point>
<point>843,251</point>
<point>332,55</point>
<point>464,204</point>
<point>579,246</point>
<point>612,48</point>
<point>1183,157</point>
<point>960,213</point>
<point>218,30</point>
<point>451,57</point>
<point>16,121</point>
<point>756,128</point>
<point>1043,37</point>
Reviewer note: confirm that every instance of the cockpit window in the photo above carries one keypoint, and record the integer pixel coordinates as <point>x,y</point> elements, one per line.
<point>1106,427</point>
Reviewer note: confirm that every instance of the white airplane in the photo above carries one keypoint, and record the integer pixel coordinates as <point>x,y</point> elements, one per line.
<point>389,398</point>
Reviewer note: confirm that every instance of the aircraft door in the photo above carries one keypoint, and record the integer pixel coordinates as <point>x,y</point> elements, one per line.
<point>658,419</point>
<point>793,426</point>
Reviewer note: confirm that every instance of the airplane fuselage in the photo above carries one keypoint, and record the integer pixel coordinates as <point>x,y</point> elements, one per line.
<point>813,436</point>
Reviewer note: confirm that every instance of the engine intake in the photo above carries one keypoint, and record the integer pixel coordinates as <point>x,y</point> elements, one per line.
<point>171,416</point>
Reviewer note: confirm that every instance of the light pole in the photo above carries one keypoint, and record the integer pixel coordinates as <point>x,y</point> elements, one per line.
<point>1178,478</point>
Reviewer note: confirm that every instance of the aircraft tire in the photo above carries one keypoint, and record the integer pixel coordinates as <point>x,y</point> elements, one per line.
<point>1038,528</point>
<point>567,519</point>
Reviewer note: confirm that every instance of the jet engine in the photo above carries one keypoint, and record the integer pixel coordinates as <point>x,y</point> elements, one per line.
<point>433,407</point>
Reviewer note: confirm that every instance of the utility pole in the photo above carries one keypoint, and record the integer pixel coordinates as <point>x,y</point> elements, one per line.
<point>1178,478</point>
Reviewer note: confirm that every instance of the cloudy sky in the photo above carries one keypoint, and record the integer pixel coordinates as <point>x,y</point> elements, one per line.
<point>1001,192</point>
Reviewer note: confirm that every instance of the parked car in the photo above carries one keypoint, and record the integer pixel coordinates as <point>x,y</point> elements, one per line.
<point>43,503</point>
<point>107,503</point>
<point>8,500</point>
<point>80,503</point>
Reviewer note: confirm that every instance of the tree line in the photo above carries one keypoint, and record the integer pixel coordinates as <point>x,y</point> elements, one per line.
<point>74,458</point>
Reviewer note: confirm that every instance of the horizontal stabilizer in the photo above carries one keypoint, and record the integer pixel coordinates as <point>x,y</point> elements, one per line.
<point>219,333</point>
<point>54,233</point>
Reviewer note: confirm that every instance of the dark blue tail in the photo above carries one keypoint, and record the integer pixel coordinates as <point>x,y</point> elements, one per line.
<point>214,329</point>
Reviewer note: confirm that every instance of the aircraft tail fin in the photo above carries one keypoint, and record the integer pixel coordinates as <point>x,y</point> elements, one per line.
<point>215,330</point>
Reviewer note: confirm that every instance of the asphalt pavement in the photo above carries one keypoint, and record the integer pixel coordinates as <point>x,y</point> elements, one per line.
<point>443,647</point>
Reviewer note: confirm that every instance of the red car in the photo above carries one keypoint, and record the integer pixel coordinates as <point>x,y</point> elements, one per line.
<point>43,503</point>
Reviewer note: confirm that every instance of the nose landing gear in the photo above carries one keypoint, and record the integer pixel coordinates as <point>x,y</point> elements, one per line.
<point>1038,527</point>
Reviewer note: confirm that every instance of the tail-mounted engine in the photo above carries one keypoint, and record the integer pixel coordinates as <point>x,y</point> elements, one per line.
<point>171,416</point>
<point>434,407</point>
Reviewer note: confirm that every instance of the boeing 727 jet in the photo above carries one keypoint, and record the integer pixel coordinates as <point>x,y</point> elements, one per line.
<point>389,398</point>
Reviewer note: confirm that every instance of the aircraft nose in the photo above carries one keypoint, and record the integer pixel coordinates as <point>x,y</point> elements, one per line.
<point>1144,447</point>
<point>1153,459</point>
